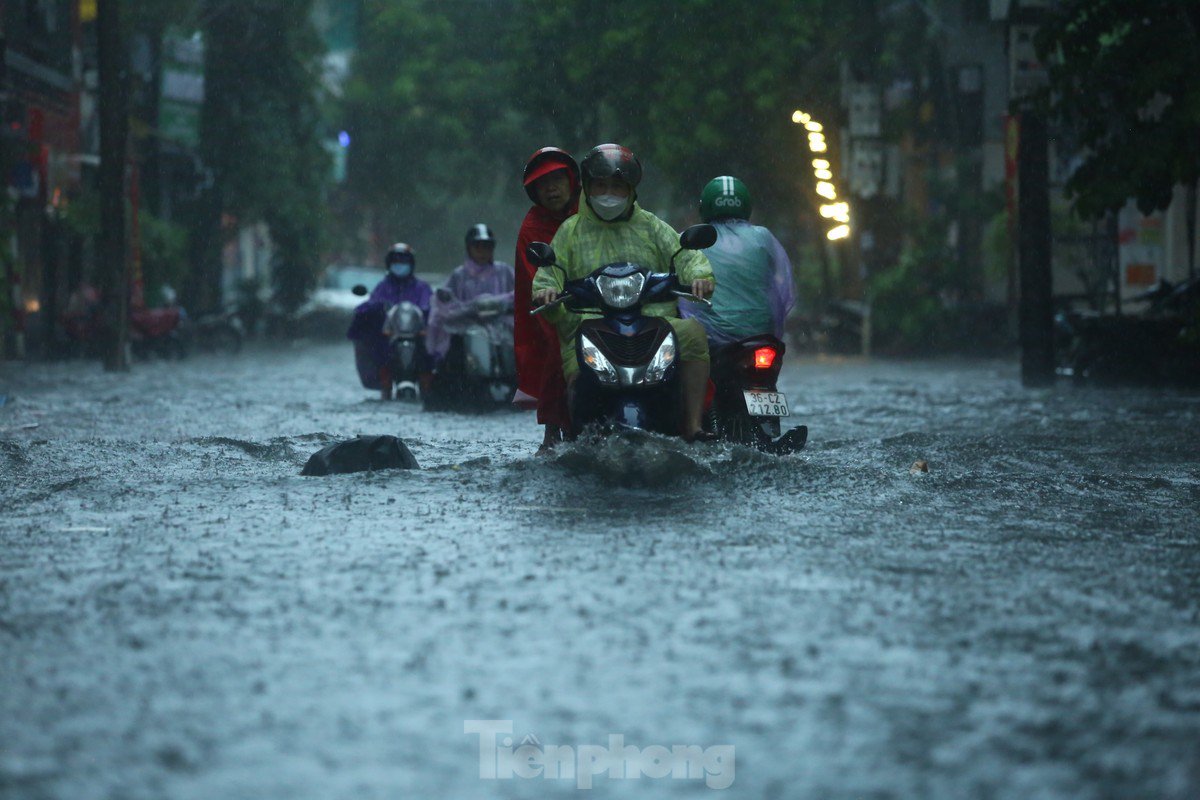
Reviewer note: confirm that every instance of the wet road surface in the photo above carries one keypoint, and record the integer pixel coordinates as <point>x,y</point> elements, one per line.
<point>183,615</point>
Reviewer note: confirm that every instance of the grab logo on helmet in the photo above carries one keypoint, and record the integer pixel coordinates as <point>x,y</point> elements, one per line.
<point>728,202</point>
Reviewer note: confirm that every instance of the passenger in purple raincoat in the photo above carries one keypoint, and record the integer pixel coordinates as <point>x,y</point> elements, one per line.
<point>366,329</point>
<point>478,280</point>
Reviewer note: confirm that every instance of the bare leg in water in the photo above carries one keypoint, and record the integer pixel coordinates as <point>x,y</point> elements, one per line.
<point>693,375</point>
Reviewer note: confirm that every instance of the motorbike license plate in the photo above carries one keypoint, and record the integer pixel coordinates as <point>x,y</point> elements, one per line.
<point>760,403</point>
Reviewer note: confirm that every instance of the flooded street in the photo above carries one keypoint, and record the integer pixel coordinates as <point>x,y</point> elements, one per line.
<point>183,615</point>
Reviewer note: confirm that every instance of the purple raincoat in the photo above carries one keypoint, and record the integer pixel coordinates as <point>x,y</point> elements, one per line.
<point>366,328</point>
<point>468,282</point>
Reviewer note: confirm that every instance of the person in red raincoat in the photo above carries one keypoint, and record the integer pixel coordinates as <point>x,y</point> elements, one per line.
<point>552,182</point>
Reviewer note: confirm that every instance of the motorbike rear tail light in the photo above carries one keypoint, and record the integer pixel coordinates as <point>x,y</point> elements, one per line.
<point>764,358</point>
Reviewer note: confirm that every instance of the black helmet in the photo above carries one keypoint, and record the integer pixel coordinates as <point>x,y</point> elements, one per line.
<point>545,161</point>
<point>400,252</point>
<point>480,234</point>
<point>611,161</point>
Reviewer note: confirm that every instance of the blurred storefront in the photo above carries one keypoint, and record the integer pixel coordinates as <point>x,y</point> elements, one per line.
<point>40,149</point>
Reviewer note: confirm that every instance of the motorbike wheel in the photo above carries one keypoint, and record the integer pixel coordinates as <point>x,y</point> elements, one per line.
<point>741,429</point>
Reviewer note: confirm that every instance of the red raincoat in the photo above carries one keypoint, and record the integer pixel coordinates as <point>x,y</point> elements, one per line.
<point>539,363</point>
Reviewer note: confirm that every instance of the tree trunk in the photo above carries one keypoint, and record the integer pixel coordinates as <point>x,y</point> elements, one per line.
<point>1034,253</point>
<point>114,134</point>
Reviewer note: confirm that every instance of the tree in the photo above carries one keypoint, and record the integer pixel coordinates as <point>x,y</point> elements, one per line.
<point>437,139</point>
<point>1123,78</point>
<point>260,136</point>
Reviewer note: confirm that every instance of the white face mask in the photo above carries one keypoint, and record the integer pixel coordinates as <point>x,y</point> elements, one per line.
<point>401,269</point>
<point>608,206</point>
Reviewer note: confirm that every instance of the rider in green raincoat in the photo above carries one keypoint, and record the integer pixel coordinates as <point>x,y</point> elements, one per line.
<point>611,227</point>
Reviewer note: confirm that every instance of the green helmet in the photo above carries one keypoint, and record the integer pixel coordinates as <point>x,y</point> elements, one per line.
<point>725,196</point>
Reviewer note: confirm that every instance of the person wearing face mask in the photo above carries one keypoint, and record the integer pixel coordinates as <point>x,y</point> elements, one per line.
<point>399,284</point>
<point>551,180</point>
<point>611,227</point>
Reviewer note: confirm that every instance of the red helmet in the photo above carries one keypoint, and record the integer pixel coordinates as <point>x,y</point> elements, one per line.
<point>545,161</point>
<point>612,161</point>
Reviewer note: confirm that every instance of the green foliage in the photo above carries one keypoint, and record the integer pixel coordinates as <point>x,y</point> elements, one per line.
<point>907,300</point>
<point>1123,75</point>
<point>260,129</point>
<point>446,100</point>
<point>697,88</point>
<point>164,253</point>
<point>437,140</point>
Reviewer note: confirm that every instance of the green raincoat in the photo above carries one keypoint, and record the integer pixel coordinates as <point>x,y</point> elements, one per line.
<point>586,242</point>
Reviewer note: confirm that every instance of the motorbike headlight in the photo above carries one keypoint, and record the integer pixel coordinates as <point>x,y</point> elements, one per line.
<point>592,356</point>
<point>664,358</point>
<point>621,292</point>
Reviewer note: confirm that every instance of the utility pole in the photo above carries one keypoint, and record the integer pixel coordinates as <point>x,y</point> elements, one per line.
<point>1036,310</point>
<point>114,136</point>
<point>1035,303</point>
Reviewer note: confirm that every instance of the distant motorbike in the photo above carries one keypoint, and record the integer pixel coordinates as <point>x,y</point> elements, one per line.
<point>747,405</point>
<point>627,360</point>
<point>407,358</point>
<point>214,332</point>
<point>479,372</point>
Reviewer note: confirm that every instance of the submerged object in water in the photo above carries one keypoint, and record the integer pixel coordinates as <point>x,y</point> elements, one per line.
<point>361,454</point>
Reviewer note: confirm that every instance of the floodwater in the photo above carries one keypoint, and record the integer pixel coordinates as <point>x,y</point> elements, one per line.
<point>183,615</point>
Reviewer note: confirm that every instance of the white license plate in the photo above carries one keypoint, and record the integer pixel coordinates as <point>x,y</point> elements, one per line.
<point>761,403</point>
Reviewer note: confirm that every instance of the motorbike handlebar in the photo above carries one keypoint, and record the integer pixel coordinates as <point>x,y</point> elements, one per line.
<point>692,297</point>
<point>561,299</point>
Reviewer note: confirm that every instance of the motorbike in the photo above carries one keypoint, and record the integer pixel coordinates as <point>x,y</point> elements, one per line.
<point>1156,345</point>
<point>219,331</point>
<point>153,332</point>
<point>407,358</point>
<point>747,404</point>
<point>627,360</point>
<point>479,372</point>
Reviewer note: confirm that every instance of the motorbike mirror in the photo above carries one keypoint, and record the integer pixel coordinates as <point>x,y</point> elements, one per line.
<point>698,237</point>
<point>541,254</point>
<point>359,290</point>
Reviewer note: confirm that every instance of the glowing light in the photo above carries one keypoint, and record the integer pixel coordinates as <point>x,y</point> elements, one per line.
<point>820,163</point>
<point>764,357</point>
<point>834,210</point>
<point>817,146</point>
<point>824,174</point>
<point>815,127</point>
<point>344,139</point>
<point>32,306</point>
<point>840,232</point>
<point>826,190</point>
<point>799,117</point>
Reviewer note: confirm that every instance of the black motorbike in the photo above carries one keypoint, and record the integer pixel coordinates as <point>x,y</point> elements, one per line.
<point>747,404</point>
<point>627,360</point>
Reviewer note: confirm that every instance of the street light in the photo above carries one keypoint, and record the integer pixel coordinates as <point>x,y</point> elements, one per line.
<point>838,212</point>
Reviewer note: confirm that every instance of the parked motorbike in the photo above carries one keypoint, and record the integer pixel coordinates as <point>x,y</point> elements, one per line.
<point>153,332</point>
<point>479,372</point>
<point>747,404</point>
<point>214,332</point>
<point>627,360</point>
<point>1159,344</point>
